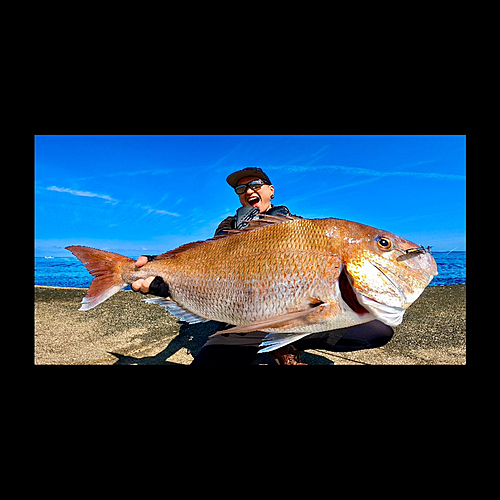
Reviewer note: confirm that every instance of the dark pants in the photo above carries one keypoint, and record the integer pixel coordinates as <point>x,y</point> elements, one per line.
<point>241,349</point>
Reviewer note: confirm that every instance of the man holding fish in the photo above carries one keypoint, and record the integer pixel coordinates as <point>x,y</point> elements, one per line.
<point>255,192</point>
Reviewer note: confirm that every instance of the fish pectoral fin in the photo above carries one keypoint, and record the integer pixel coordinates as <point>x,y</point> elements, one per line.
<point>289,320</point>
<point>273,341</point>
<point>176,310</point>
<point>285,320</point>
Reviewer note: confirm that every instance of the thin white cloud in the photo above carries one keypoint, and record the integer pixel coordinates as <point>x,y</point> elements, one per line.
<point>130,173</point>
<point>227,155</point>
<point>159,212</point>
<point>86,194</point>
<point>324,148</point>
<point>366,172</point>
<point>89,194</point>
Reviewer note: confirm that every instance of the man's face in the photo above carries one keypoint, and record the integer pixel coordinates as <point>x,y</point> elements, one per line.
<point>260,198</point>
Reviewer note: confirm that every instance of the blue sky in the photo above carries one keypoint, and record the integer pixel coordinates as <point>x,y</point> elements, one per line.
<point>149,194</point>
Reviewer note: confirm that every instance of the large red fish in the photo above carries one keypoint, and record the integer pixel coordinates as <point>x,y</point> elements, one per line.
<point>288,276</point>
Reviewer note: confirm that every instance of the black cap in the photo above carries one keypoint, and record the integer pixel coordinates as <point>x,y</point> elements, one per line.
<point>235,177</point>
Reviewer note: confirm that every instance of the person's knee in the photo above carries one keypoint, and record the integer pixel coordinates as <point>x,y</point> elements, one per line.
<point>383,336</point>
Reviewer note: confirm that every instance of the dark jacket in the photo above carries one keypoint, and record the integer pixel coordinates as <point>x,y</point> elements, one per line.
<point>232,222</point>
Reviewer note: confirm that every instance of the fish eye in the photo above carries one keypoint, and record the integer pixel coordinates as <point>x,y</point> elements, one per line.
<point>383,243</point>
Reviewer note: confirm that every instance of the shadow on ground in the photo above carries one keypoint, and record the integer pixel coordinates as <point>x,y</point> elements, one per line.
<point>192,338</point>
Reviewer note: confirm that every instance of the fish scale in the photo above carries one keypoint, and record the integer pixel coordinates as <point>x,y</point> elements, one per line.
<point>280,275</point>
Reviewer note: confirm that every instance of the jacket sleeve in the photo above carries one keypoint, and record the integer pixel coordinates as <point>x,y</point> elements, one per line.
<point>225,225</point>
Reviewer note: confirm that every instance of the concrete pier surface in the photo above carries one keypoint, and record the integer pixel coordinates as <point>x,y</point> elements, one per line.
<point>126,330</point>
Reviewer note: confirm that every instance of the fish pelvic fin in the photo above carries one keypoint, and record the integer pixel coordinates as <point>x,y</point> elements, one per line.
<point>274,341</point>
<point>176,310</point>
<point>106,267</point>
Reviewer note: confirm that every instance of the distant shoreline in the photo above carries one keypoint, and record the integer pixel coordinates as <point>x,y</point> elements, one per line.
<point>62,287</point>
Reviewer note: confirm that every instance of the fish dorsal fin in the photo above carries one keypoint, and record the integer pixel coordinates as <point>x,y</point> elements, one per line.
<point>264,220</point>
<point>178,250</point>
<point>278,219</point>
<point>270,220</point>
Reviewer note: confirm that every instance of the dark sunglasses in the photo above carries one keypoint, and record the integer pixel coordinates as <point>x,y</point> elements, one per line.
<point>255,185</point>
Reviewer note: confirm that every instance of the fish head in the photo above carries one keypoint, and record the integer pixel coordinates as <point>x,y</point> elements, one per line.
<point>387,273</point>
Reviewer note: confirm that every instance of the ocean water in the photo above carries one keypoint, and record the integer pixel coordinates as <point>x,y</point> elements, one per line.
<point>70,272</point>
<point>451,268</point>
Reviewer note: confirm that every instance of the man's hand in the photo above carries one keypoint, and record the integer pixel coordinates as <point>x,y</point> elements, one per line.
<point>142,285</point>
<point>152,284</point>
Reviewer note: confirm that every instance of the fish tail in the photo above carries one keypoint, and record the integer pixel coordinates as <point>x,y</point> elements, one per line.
<point>107,267</point>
